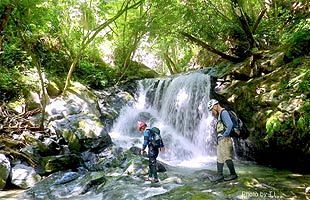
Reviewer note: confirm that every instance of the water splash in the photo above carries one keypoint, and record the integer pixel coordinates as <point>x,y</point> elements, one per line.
<point>177,106</point>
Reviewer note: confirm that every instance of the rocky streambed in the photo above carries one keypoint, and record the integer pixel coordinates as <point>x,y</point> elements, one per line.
<point>254,182</point>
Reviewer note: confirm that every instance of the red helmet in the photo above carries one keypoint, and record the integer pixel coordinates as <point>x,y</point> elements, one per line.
<point>141,124</point>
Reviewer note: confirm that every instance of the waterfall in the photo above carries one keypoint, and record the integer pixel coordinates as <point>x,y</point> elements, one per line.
<point>177,106</point>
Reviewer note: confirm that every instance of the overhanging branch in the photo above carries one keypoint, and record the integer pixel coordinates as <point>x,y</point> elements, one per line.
<point>211,49</point>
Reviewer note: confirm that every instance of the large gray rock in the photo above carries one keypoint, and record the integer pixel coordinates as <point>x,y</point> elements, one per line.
<point>24,176</point>
<point>68,185</point>
<point>78,100</point>
<point>76,118</point>
<point>5,168</point>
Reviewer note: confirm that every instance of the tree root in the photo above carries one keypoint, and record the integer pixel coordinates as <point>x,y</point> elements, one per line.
<point>14,153</point>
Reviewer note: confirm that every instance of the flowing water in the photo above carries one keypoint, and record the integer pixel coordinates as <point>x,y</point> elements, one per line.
<point>177,106</point>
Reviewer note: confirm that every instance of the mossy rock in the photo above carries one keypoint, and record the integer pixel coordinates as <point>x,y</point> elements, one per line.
<point>53,90</point>
<point>139,71</point>
<point>73,141</point>
<point>51,164</point>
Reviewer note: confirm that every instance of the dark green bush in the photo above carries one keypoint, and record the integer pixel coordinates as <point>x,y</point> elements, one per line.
<point>304,85</point>
<point>303,123</point>
<point>95,75</point>
<point>11,86</point>
<point>12,56</point>
<point>297,40</point>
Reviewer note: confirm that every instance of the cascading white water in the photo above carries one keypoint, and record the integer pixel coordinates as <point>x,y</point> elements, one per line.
<point>177,106</point>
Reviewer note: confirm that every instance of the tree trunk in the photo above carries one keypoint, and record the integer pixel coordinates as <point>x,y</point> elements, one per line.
<point>260,16</point>
<point>4,18</point>
<point>72,67</point>
<point>170,64</point>
<point>130,53</point>
<point>211,49</point>
<point>90,37</point>
<point>243,21</point>
<point>43,96</point>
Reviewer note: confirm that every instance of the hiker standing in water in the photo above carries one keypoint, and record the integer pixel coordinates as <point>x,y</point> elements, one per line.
<point>224,128</point>
<point>153,141</point>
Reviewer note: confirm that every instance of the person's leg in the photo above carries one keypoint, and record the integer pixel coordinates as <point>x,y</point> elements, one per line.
<point>219,164</point>
<point>149,178</point>
<point>228,154</point>
<point>154,164</point>
<point>232,171</point>
<point>153,168</point>
<point>220,167</point>
<point>219,177</point>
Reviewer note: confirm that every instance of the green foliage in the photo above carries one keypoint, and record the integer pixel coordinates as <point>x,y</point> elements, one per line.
<point>298,40</point>
<point>304,85</point>
<point>273,124</point>
<point>283,85</point>
<point>95,75</point>
<point>303,123</point>
<point>11,86</point>
<point>53,60</point>
<point>12,56</point>
<point>55,32</point>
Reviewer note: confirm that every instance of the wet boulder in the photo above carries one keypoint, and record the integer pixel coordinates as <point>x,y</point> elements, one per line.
<point>76,118</point>
<point>5,169</point>
<point>24,176</point>
<point>68,185</point>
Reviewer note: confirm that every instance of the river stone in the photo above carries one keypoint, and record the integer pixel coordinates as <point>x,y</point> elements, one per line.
<point>67,177</point>
<point>5,168</point>
<point>68,185</point>
<point>160,166</point>
<point>24,176</point>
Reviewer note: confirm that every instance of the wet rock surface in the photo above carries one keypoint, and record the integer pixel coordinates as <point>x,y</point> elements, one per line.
<point>254,182</point>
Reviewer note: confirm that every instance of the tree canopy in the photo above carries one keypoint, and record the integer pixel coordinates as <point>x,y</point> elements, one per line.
<point>104,42</point>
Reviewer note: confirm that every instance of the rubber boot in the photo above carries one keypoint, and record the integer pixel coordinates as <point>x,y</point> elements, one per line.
<point>154,172</point>
<point>232,171</point>
<point>219,177</point>
<point>150,173</point>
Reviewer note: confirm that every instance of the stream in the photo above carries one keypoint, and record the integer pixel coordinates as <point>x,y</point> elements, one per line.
<point>177,106</point>
<point>254,182</point>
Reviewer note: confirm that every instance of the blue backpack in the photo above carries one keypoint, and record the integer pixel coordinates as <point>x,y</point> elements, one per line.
<point>239,128</point>
<point>155,138</point>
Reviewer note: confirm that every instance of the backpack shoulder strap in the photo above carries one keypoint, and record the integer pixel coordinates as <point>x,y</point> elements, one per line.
<point>220,115</point>
<point>232,113</point>
<point>150,132</point>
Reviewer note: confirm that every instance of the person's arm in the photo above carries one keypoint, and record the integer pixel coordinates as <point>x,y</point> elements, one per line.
<point>227,122</point>
<point>146,135</point>
<point>161,144</point>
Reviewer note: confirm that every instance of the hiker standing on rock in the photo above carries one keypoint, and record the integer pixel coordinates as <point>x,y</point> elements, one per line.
<point>224,128</point>
<point>153,141</point>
